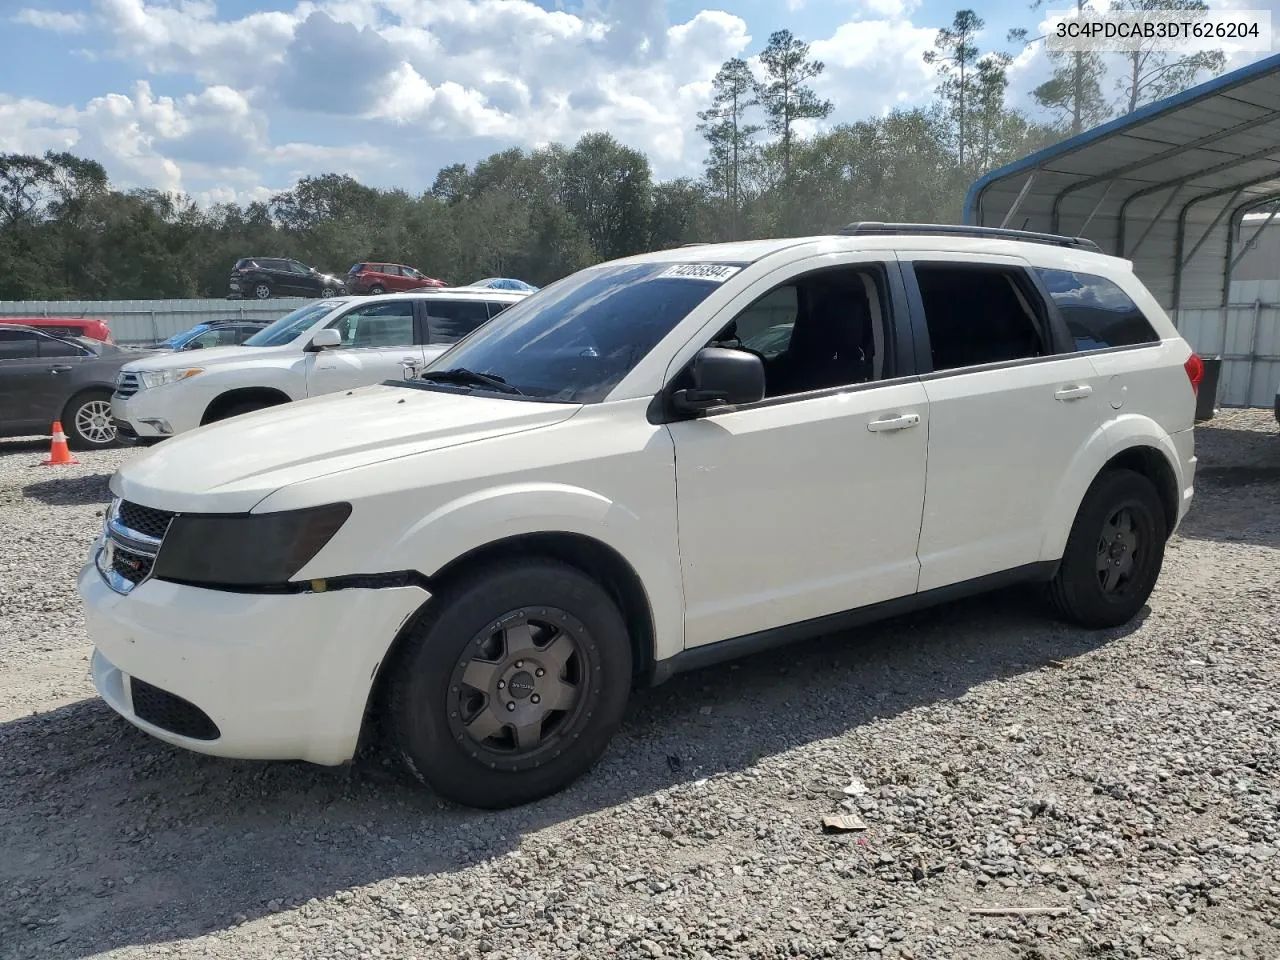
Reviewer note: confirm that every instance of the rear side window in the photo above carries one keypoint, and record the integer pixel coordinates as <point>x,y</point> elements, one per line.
<point>980,314</point>
<point>1097,312</point>
<point>496,308</point>
<point>448,321</point>
<point>18,344</point>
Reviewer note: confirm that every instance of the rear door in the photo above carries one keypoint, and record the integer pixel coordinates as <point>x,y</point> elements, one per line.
<point>377,340</point>
<point>22,376</point>
<point>1010,406</point>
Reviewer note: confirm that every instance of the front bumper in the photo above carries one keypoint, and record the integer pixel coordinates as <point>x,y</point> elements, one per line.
<point>151,415</point>
<point>278,677</point>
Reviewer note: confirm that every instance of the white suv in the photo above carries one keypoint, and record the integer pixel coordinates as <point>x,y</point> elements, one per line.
<point>326,346</point>
<point>603,487</point>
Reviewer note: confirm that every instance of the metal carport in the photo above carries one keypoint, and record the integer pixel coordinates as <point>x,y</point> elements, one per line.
<point>1167,187</point>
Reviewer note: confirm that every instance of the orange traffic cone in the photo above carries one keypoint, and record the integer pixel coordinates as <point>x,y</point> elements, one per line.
<point>59,455</point>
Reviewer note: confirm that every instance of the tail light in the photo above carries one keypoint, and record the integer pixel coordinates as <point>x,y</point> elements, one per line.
<point>1195,372</point>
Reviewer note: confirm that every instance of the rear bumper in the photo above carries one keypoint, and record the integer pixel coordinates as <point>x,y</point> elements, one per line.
<point>1184,443</point>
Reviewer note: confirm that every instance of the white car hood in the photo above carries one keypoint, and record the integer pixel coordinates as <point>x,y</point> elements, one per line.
<point>206,357</point>
<point>231,466</point>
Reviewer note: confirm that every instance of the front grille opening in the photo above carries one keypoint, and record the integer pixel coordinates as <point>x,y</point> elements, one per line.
<point>127,385</point>
<point>134,567</point>
<point>170,712</point>
<point>146,520</point>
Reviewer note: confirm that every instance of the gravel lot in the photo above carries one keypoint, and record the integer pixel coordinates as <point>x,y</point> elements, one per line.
<point>1131,778</point>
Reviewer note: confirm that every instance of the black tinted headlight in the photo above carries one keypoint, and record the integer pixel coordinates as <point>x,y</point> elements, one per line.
<point>246,550</point>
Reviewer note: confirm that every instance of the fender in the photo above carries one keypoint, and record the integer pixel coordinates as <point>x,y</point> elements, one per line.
<point>1112,438</point>
<point>478,519</point>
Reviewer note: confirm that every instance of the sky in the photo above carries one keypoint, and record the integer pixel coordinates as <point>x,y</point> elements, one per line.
<point>232,100</point>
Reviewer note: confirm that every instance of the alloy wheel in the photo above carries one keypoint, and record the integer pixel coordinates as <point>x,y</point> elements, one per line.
<point>93,422</point>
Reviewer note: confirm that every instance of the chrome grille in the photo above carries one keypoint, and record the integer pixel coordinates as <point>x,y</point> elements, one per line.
<point>126,384</point>
<point>130,565</point>
<point>130,543</point>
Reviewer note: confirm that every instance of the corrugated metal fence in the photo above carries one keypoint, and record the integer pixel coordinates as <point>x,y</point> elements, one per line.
<point>149,321</point>
<point>1246,335</point>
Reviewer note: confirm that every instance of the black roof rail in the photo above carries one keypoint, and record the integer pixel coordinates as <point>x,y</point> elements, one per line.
<point>865,228</point>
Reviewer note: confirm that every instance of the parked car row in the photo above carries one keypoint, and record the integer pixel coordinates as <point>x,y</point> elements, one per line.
<point>481,560</point>
<point>261,278</point>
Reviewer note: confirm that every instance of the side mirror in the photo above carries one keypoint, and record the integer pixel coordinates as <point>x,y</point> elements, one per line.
<point>721,377</point>
<point>328,337</point>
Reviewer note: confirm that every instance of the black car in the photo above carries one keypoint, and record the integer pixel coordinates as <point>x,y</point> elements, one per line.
<point>45,378</point>
<point>260,278</point>
<point>213,333</point>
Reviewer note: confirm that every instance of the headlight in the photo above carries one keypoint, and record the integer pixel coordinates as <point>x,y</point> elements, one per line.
<point>150,379</point>
<point>246,550</point>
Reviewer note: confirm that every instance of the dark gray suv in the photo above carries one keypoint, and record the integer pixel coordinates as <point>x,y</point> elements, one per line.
<point>45,378</point>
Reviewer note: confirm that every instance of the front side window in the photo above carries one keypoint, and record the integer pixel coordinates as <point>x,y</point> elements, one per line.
<point>52,347</point>
<point>980,314</point>
<point>577,339</point>
<point>293,324</point>
<point>1096,311</point>
<point>380,325</point>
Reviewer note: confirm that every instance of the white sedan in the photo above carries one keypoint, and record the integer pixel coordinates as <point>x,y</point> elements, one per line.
<point>326,346</point>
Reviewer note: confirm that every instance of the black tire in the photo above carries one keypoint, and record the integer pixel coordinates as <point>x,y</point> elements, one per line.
<point>327,292</point>
<point>87,421</point>
<point>238,408</point>
<point>427,700</point>
<point>1106,576</point>
<point>377,289</point>
<point>262,290</point>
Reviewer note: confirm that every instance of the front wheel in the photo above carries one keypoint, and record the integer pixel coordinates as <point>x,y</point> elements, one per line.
<point>327,292</point>
<point>512,688</point>
<point>1114,552</point>
<point>88,422</point>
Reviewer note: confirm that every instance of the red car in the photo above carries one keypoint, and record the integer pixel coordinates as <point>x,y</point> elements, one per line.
<point>387,278</point>
<point>66,326</point>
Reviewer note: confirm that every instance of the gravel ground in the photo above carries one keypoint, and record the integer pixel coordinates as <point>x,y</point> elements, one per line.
<point>1129,778</point>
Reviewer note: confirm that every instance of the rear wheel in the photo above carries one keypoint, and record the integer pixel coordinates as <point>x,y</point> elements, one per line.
<point>262,290</point>
<point>326,292</point>
<point>512,688</point>
<point>376,289</point>
<point>87,422</point>
<point>1114,552</point>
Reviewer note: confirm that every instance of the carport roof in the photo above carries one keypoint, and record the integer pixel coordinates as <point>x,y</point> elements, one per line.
<point>1166,186</point>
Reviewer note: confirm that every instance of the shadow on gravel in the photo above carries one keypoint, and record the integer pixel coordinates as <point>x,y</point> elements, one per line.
<point>70,491</point>
<point>118,840</point>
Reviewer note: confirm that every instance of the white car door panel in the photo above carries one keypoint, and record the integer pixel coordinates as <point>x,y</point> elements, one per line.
<point>377,342</point>
<point>800,509</point>
<point>1002,434</point>
<point>808,504</point>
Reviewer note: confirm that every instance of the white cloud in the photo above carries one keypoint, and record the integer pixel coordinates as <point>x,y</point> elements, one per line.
<point>53,20</point>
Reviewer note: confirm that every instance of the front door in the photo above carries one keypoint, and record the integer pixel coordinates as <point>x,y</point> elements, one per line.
<point>1010,408</point>
<point>807,503</point>
<point>377,339</point>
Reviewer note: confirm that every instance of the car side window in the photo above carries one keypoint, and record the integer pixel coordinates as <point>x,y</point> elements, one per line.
<point>817,331</point>
<point>1097,313</point>
<point>296,267</point>
<point>978,314</point>
<point>378,325</point>
<point>448,321</point>
<point>496,308</point>
<point>18,344</point>
<point>51,347</point>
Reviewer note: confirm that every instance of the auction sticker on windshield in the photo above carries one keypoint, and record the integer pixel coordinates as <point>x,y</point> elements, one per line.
<point>715,272</point>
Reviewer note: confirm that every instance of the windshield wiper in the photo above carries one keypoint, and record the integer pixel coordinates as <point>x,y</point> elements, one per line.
<point>463,375</point>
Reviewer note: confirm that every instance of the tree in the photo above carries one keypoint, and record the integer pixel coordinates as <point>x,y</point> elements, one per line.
<point>784,94</point>
<point>1151,73</point>
<point>991,81</point>
<point>955,57</point>
<point>608,189</point>
<point>1074,93</point>
<point>726,129</point>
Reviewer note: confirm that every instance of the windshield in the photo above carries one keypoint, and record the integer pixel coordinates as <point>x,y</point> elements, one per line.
<point>292,325</point>
<point>577,339</point>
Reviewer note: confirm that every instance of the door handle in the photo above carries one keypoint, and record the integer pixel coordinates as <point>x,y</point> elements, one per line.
<point>1073,392</point>
<point>894,423</point>
<point>60,368</point>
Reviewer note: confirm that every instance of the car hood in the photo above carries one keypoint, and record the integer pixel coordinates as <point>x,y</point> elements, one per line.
<point>232,465</point>
<point>169,359</point>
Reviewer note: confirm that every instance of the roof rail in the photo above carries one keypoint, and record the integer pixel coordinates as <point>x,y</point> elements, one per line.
<point>875,228</point>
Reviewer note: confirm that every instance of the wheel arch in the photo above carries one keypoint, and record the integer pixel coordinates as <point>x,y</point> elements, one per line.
<point>270,395</point>
<point>1135,444</point>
